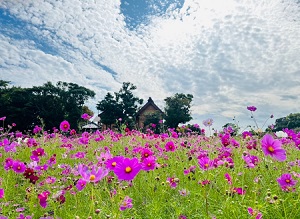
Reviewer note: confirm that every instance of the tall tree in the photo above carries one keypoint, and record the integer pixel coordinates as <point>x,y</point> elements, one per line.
<point>111,110</point>
<point>177,109</point>
<point>291,121</point>
<point>122,104</point>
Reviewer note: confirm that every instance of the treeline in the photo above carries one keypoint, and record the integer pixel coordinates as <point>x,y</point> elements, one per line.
<point>47,105</point>
<point>124,105</point>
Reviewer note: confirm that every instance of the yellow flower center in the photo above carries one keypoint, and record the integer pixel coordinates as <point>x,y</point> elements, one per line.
<point>113,164</point>
<point>128,169</point>
<point>149,164</point>
<point>146,155</point>
<point>92,177</point>
<point>206,165</point>
<point>271,149</point>
<point>287,181</point>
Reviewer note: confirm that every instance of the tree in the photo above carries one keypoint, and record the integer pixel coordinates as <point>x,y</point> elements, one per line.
<point>292,121</point>
<point>153,119</point>
<point>177,109</point>
<point>52,104</point>
<point>122,104</point>
<point>87,110</point>
<point>111,110</point>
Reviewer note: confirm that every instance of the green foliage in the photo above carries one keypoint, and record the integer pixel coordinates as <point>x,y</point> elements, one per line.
<point>122,104</point>
<point>177,109</point>
<point>152,121</point>
<point>292,121</point>
<point>53,104</point>
<point>86,109</point>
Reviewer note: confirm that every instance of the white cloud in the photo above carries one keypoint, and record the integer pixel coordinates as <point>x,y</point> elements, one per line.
<point>227,55</point>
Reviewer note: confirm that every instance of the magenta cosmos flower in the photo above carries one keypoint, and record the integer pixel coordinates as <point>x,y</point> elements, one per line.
<point>286,182</point>
<point>251,108</point>
<point>64,126</point>
<point>127,169</point>
<point>149,163</point>
<point>272,147</point>
<point>94,175</point>
<point>1,193</point>
<point>208,122</point>
<point>112,162</point>
<point>205,163</point>
<point>19,167</point>
<point>170,146</point>
<point>126,203</point>
<point>85,116</point>
<point>255,213</point>
<point>43,198</point>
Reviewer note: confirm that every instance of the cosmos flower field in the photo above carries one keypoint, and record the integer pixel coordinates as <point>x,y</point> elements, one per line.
<point>62,174</point>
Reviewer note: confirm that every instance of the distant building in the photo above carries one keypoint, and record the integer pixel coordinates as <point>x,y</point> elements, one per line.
<point>93,123</point>
<point>149,108</point>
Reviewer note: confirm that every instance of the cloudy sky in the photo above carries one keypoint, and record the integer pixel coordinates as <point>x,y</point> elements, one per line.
<point>228,53</point>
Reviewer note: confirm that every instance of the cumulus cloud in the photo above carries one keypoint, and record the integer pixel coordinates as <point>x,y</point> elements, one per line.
<point>227,54</point>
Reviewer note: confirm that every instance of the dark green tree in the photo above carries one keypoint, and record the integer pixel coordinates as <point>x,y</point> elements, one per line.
<point>122,104</point>
<point>292,121</point>
<point>111,110</point>
<point>177,109</point>
<point>48,103</point>
<point>153,119</point>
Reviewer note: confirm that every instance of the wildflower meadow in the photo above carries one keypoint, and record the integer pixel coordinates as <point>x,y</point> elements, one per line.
<point>130,174</point>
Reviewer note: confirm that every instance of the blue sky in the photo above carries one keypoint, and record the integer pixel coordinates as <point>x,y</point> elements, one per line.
<point>228,54</point>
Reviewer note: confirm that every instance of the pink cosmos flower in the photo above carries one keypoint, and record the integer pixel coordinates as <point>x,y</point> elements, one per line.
<point>85,116</point>
<point>228,178</point>
<point>255,213</point>
<point>172,181</point>
<point>205,163</point>
<point>273,148</point>
<point>19,167</point>
<point>251,160</point>
<point>208,122</point>
<point>251,108</point>
<point>239,191</point>
<point>80,185</point>
<point>37,129</point>
<point>286,182</point>
<point>112,163</point>
<point>126,203</point>
<point>1,193</point>
<point>39,152</point>
<point>41,167</point>
<point>184,192</point>
<point>246,134</point>
<point>43,198</point>
<point>64,126</point>
<point>170,146</point>
<point>149,163</point>
<point>94,175</point>
<point>145,153</point>
<point>127,169</point>
<point>22,216</point>
<point>52,160</point>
